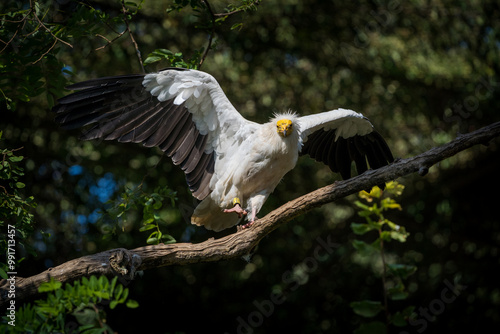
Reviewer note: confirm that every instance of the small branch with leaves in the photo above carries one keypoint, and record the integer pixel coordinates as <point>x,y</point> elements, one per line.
<point>217,18</point>
<point>32,15</point>
<point>127,14</point>
<point>196,62</point>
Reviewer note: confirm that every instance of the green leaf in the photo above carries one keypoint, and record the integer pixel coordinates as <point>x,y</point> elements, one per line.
<point>401,270</point>
<point>366,308</point>
<point>152,59</point>
<point>157,205</point>
<point>147,227</point>
<point>375,327</point>
<point>363,206</point>
<point>399,319</point>
<point>3,274</point>
<point>132,303</point>
<point>394,188</point>
<point>375,192</point>
<point>16,158</point>
<point>20,185</point>
<point>113,284</point>
<point>168,239</point>
<point>113,304</point>
<point>361,229</point>
<point>152,241</point>
<point>396,294</point>
<point>399,236</point>
<point>389,203</point>
<point>386,235</point>
<point>50,285</point>
<point>363,248</point>
<point>237,26</point>
<point>85,315</point>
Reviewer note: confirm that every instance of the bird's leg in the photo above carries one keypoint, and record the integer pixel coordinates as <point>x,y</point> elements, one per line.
<point>251,220</point>
<point>237,208</point>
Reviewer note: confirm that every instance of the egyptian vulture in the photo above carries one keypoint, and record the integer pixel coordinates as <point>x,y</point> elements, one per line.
<point>231,164</point>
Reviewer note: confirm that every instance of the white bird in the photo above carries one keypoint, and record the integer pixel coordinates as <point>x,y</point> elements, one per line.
<point>231,164</point>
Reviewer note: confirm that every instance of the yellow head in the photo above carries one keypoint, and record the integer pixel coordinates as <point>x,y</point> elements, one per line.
<point>284,127</point>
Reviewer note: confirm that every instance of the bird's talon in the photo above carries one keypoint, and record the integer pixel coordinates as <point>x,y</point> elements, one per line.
<point>237,208</point>
<point>247,225</point>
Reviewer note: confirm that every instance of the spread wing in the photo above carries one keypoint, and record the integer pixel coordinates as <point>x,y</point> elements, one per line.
<point>183,112</point>
<point>339,137</point>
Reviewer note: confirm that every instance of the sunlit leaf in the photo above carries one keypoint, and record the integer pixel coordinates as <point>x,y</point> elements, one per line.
<point>132,303</point>
<point>147,227</point>
<point>361,229</point>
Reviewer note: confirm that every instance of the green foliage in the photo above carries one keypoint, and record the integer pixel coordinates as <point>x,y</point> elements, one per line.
<point>150,205</point>
<point>78,306</point>
<point>15,208</point>
<point>376,57</point>
<point>181,4</point>
<point>377,202</point>
<point>37,35</point>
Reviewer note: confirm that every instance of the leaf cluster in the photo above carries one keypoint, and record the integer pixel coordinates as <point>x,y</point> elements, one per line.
<point>37,34</point>
<point>149,203</point>
<point>78,306</point>
<point>174,59</point>
<point>15,209</point>
<point>377,202</point>
<point>373,213</point>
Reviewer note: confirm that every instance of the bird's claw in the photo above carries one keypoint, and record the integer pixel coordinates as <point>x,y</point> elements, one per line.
<point>244,226</point>
<point>238,210</point>
<point>247,225</point>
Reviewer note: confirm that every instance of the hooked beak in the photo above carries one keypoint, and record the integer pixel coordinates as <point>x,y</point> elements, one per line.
<point>284,128</point>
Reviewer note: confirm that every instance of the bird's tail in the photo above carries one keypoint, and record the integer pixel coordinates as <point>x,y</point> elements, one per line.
<point>210,215</point>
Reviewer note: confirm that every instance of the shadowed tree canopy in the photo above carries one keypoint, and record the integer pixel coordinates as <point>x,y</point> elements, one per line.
<point>422,72</point>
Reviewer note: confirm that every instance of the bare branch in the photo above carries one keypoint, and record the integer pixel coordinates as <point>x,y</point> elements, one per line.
<point>56,39</point>
<point>137,51</point>
<point>125,263</point>
<point>205,53</point>
<point>109,42</point>
<point>22,22</point>
<point>255,3</point>
<point>214,16</point>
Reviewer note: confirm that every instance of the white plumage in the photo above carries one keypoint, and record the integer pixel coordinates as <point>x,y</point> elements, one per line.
<point>224,156</point>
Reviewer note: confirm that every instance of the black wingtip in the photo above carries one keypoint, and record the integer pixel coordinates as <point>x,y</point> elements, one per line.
<point>370,150</point>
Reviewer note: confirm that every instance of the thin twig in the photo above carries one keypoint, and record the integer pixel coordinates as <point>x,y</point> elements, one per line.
<point>384,273</point>
<point>45,53</point>
<point>214,23</point>
<point>209,46</point>
<point>137,51</point>
<point>110,41</point>
<point>56,39</point>
<point>255,3</point>
<point>21,22</point>
<point>50,32</point>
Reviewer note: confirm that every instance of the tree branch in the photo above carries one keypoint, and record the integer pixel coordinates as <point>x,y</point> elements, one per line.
<point>125,263</point>
<point>244,8</point>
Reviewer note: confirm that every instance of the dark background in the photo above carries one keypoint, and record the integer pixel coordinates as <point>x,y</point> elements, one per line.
<point>422,72</point>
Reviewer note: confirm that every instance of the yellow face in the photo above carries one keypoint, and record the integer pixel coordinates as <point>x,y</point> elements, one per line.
<point>284,127</point>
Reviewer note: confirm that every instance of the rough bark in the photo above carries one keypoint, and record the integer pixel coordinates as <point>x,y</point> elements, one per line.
<point>125,263</point>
